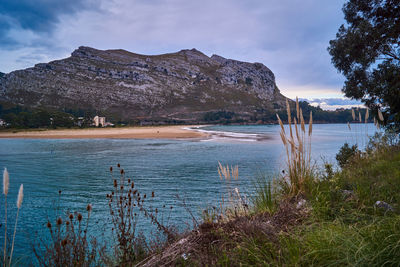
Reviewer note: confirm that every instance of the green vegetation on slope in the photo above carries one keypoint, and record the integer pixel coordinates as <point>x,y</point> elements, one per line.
<point>353,219</point>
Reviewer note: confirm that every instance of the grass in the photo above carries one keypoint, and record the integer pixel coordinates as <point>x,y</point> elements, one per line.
<point>344,226</point>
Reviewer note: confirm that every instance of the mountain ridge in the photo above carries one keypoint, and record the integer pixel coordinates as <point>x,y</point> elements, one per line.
<point>175,86</point>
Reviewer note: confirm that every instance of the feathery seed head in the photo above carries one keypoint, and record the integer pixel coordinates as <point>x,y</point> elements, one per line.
<point>297,108</point>
<point>366,115</point>
<point>280,123</point>
<point>6,181</point>
<point>20,196</point>
<point>353,114</point>
<point>380,115</point>
<point>310,125</point>
<point>359,116</point>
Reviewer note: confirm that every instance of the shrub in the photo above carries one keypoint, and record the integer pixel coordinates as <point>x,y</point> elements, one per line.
<point>346,153</point>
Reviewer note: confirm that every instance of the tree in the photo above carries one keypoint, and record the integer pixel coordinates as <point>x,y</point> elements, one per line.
<point>367,52</point>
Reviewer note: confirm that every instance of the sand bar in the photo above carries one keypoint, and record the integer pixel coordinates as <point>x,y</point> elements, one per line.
<point>157,132</point>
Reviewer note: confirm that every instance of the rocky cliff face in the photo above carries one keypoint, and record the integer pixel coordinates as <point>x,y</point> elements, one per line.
<point>182,85</point>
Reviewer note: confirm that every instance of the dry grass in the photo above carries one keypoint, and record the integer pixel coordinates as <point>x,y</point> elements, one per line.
<point>68,243</point>
<point>206,245</point>
<point>7,256</point>
<point>234,204</point>
<point>298,152</point>
<point>126,204</point>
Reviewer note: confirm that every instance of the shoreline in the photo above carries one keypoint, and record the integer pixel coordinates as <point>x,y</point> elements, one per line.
<point>151,132</point>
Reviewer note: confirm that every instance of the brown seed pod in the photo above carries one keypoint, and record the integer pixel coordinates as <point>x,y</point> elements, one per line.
<point>48,225</point>
<point>119,165</point>
<point>110,169</point>
<point>122,171</point>
<point>71,216</point>
<point>79,217</point>
<point>89,207</point>
<point>152,194</point>
<point>59,221</point>
<point>115,183</point>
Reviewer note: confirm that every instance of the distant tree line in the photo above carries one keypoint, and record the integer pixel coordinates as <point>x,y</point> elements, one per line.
<point>17,116</point>
<point>269,116</point>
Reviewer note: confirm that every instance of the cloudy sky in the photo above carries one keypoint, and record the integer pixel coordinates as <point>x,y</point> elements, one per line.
<point>288,36</point>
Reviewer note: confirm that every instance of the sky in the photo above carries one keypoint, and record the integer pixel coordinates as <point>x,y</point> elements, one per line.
<point>288,36</point>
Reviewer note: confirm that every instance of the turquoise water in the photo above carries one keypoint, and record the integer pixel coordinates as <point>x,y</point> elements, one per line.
<point>188,168</point>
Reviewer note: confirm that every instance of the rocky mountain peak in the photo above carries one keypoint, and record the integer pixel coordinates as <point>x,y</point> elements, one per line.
<point>176,86</point>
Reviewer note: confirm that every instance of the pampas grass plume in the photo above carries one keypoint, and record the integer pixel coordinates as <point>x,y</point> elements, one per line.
<point>353,114</point>
<point>6,181</point>
<point>380,115</point>
<point>20,196</point>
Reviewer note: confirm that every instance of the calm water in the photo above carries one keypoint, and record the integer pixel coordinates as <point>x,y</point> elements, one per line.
<point>80,168</point>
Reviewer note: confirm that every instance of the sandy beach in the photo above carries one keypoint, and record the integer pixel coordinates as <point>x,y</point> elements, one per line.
<point>157,132</point>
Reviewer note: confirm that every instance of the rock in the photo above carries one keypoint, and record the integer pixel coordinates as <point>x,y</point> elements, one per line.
<point>383,205</point>
<point>176,86</point>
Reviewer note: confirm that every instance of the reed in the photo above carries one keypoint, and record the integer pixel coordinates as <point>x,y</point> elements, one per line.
<point>19,203</point>
<point>298,152</point>
<point>6,183</point>
<point>236,203</point>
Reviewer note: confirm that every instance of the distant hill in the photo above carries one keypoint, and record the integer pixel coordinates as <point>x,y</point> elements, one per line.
<point>184,86</point>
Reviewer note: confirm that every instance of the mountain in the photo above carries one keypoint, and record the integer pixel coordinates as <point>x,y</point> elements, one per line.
<point>178,86</point>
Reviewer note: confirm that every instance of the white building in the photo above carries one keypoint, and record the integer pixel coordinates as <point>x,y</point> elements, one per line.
<point>99,121</point>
